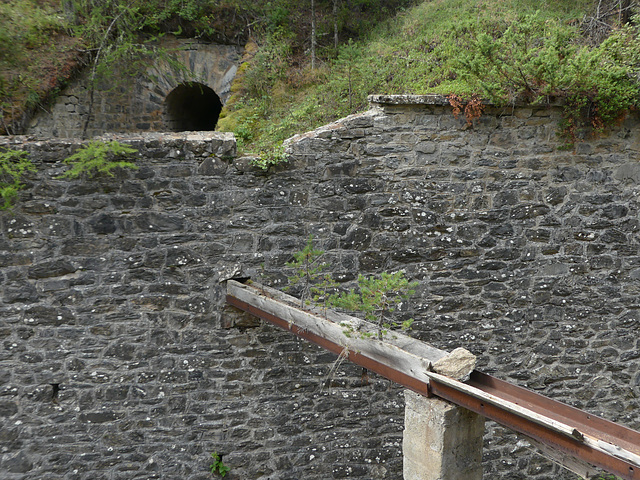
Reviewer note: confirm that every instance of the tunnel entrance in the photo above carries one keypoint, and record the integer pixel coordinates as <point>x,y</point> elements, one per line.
<point>192,106</point>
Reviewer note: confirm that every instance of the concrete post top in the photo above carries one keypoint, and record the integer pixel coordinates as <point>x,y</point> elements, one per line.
<point>441,441</point>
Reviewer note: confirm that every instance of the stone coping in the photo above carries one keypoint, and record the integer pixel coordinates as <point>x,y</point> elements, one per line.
<point>125,137</point>
<point>430,99</point>
<point>441,100</point>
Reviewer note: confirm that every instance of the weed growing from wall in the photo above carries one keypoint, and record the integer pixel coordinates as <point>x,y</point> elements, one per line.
<point>270,157</point>
<point>13,165</point>
<point>217,467</point>
<point>471,108</point>
<point>97,158</point>
<point>308,270</point>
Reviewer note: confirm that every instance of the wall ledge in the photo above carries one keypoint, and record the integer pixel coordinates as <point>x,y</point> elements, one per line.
<point>430,99</point>
<point>441,100</point>
<point>196,137</point>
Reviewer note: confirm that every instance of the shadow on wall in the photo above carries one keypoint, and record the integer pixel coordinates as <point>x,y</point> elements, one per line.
<point>192,106</point>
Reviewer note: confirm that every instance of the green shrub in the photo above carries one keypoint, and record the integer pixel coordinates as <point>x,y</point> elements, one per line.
<point>270,157</point>
<point>217,467</point>
<point>29,24</point>
<point>377,297</point>
<point>269,65</point>
<point>13,165</point>
<point>535,60</point>
<point>98,158</point>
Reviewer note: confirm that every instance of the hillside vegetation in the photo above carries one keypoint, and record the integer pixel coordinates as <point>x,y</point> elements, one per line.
<point>44,42</point>
<point>582,52</point>
<point>310,62</point>
<point>36,55</point>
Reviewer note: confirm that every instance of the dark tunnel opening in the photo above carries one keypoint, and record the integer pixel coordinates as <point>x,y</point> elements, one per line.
<point>192,106</point>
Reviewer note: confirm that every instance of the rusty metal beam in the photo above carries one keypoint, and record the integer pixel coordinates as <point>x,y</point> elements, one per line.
<point>571,445</point>
<point>584,422</point>
<point>586,437</point>
<point>355,357</point>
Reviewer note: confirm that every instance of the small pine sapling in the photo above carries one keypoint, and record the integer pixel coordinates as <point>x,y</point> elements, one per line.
<point>320,291</point>
<point>377,297</point>
<point>99,157</point>
<point>307,270</point>
<point>13,165</point>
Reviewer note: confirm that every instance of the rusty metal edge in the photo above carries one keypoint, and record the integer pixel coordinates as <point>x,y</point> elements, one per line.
<point>566,444</point>
<point>482,381</point>
<point>584,422</point>
<point>356,357</point>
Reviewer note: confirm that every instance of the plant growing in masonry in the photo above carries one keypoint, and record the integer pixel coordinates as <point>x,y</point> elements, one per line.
<point>13,165</point>
<point>217,467</point>
<point>270,156</point>
<point>308,272</point>
<point>377,298</point>
<point>471,108</point>
<point>97,158</point>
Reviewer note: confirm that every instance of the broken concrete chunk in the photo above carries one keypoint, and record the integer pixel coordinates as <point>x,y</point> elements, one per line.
<point>458,364</point>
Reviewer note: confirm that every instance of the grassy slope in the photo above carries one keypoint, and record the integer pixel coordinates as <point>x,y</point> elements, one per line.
<point>36,57</point>
<point>40,40</point>
<point>423,44</point>
<point>415,53</point>
<point>277,94</point>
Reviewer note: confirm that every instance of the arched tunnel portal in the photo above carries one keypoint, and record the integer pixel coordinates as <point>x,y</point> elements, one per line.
<point>192,106</point>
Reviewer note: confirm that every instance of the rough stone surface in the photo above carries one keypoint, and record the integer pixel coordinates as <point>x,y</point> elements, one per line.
<point>527,255</point>
<point>458,364</point>
<point>441,441</point>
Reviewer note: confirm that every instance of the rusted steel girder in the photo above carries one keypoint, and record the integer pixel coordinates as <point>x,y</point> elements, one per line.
<point>355,357</point>
<point>573,445</point>
<point>587,437</point>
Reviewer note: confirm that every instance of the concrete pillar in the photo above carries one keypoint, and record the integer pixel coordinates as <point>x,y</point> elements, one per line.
<point>441,441</point>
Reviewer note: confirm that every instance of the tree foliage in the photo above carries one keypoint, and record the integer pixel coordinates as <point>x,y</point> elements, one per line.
<point>378,297</point>
<point>536,60</point>
<point>99,158</point>
<point>14,164</point>
<point>309,276</point>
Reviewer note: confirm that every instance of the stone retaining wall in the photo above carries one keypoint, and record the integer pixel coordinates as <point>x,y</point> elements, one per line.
<point>119,358</point>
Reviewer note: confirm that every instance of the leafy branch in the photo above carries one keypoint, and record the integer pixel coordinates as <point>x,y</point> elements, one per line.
<point>377,298</point>
<point>98,158</point>
<point>13,165</point>
<point>94,69</point>
<point>217,467</point>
